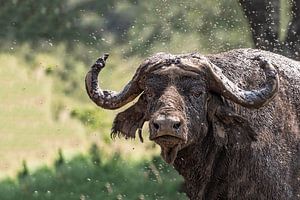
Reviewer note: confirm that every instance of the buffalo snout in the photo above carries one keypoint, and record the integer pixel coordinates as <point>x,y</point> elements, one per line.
<point>167,129</point>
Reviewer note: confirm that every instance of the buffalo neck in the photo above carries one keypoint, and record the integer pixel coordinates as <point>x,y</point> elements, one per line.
<point>204,166</point>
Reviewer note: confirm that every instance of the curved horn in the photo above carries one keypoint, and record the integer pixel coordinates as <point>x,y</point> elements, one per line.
<point>105,98</point>
<point>252,98</point>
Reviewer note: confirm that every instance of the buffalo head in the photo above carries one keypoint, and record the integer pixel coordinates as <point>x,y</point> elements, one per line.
<point>180,96</point>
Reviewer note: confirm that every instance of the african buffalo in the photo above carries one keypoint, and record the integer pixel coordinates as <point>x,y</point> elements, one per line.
<point>229,123</point>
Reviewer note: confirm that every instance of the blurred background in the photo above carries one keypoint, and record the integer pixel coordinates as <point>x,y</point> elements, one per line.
<point>54,142</point>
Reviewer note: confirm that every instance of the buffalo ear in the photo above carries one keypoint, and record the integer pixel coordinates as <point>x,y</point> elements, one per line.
<point>229,128</point>
<point>126,123</point>
<point>238,128</point>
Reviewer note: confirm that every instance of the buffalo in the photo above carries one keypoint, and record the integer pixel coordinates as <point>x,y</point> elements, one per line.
<point>229,123</point>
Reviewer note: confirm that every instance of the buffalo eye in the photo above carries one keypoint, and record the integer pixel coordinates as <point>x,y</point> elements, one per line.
<point>149,93</point>
<point>197,93</point>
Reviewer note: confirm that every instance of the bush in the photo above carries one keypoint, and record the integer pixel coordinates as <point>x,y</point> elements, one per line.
<point>80,178</point>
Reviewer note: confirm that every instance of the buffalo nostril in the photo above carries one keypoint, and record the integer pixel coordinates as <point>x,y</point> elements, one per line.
<point>156,125</point>
<point>177,125</point>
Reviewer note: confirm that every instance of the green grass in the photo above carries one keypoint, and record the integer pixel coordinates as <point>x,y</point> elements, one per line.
<point>38,114</point>
<point>112,179</point>
<point>44,107</point>
<point>35,117</point>
<point>27,128</point>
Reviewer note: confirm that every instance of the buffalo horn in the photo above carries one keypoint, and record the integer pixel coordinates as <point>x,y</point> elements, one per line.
<point>105,98</point>
<point>247,98</point>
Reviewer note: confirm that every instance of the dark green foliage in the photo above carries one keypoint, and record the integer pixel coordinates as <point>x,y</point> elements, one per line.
<point>24,20</point>
<point>60,159</point>
<point>84,29</point>
<point>95,154</point>
<point>48,70</point>
<point>87,117</point>
<point>60,20</point>
<point>213,24</point>
<point>90,117</point>
<point>138,25</point>
<point>81,179</point>
<point>24,171</point>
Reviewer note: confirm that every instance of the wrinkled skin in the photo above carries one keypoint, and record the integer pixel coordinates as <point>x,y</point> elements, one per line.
<point>223,147</point>
<point>181,94</point>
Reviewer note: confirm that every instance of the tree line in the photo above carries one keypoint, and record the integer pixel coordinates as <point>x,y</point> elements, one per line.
<point>214,25</point>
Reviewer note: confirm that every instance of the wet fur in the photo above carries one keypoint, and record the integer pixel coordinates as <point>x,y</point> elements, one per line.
<point>264,163</point>
<point>240,153</point>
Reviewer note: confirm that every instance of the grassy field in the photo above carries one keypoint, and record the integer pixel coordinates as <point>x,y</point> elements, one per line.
<point>35,108</point>
<point>40,115</point>
<point>27,128</point>
<point>83,178</point>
